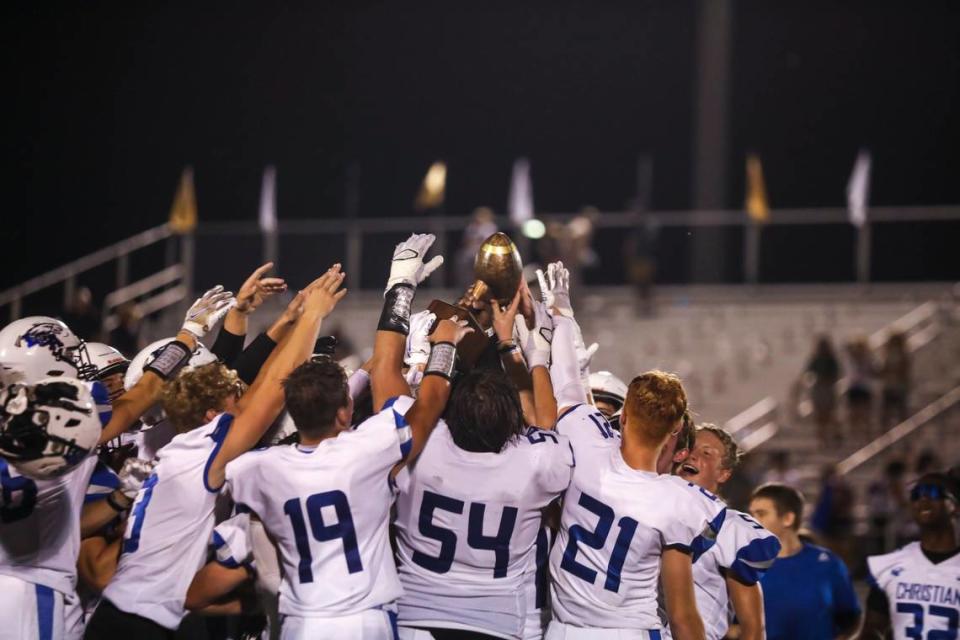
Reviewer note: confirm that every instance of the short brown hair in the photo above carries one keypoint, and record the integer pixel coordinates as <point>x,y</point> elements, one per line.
<point>731,451</point>
<point>187,398</point>
<point>785,499</point>
<point>686,435</point>
<point>658,401</point>
<point>314,392</point>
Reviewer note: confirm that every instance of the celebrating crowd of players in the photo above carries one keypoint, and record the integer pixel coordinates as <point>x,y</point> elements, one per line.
<point>415,497</point>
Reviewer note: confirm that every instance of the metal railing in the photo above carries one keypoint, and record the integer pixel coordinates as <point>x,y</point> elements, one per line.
<point>923,417</point>
<point>758,423</point>
<point>355,228</point>
<point>67,274</point>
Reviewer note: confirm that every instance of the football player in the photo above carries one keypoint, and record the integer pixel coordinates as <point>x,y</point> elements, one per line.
<point>469,512</point>
<point>171,521</point>
<point>326,500</point>
<point>730,571</point>
<point>915,590</point>
<point>34,498</point>
<point>624,528</point>
<point>48,433</point>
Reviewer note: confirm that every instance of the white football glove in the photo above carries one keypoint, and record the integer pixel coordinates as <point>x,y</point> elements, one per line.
<point>207,311</point>
<point>555,289</point>
<point>132,475</point>
<point>535,343</point>
<point>408,265</point>
<point>418,340</point>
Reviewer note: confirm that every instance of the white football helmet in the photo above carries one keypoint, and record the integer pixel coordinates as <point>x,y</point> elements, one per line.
<point>610,389</point>
<point>111,367</point>
<point>48,428</point>
<point>154,414</point>
<point>40,347</point>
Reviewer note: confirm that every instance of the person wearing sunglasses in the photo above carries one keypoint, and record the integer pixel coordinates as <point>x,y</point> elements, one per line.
<point>915,590</point>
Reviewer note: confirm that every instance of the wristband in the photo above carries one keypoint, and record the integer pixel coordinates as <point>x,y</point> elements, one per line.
<point>443,358</point>
<point>506,349</point>
<point>396,309</point>
<point>114,504</point>
<point>171,358</point>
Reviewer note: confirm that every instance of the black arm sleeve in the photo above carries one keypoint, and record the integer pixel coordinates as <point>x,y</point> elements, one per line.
<point>228,347</point>
<point>877,601</point>
<point>248,363</point>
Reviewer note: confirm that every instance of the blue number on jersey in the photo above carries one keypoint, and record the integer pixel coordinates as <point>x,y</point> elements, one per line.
<point>9,510</point>
<point>916,630</point>
<point>595,540</point>
<point>137,515</point>
<point>343,529</point>
<point>602,425</point>
<point>499,544</point>
<point>753,523</point>
<point>536,436</point>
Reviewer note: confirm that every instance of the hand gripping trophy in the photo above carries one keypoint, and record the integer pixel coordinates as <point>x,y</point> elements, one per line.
<point>497,271</point>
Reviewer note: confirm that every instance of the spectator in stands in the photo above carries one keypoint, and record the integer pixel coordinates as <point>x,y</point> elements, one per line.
<point>859,391</point>
<point>895,378</point>
<point>824,368</point>
<point>807,593</point>
<point>82,316</point>
<point>125,337</point>
<point>832,517</point>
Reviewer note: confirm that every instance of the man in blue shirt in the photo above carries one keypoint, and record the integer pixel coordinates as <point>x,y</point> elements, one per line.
<point>807,592</point>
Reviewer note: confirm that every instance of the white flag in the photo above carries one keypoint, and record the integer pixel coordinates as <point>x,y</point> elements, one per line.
<point>268,200</point>
<point>858,189</point>
<point>520,205</point>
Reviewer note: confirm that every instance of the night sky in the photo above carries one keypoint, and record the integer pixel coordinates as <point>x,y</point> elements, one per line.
<point>107,102</point>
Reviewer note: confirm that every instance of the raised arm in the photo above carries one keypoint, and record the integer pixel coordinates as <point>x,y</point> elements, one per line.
<point>266,395</point>
<point>407,271</point>
<point>253,292</point>
<point>511,354</point>
<point>536,345</point>
<point>435,387</point>
<point>205,312</point>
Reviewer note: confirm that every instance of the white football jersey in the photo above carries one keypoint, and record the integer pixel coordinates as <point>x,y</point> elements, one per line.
<point>328,510</point>
<point>467,524</point>
<point>166,538</point>
<point>924,597</point>
<point>743,548</point>
<point>40,525</point>
<point>616,522</point>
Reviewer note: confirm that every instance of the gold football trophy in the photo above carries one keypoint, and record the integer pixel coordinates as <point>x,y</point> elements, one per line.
<point>497,271</point>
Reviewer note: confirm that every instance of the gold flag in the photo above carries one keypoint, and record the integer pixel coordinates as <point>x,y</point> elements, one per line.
<point>757,206</point>
<point>183,213</point>
<point>433,189</point>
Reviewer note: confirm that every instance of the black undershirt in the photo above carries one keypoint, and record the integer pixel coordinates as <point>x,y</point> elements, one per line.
<point>877,599</point>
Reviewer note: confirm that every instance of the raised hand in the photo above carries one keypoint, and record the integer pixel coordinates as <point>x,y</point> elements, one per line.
<point>207,311</point>
<point>323,294</point>
<point>418,340</point>
<point>256,289</point>
<point>407,265</point>
<point>555,289</point>
<point>503,319</point>
<point>450,330</point>
<point>535,342</point>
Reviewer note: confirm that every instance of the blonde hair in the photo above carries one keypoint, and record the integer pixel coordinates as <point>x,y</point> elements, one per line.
<point>187,398</point>
<point>656,400</point>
